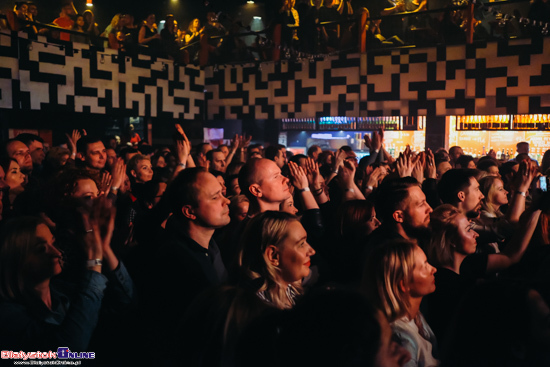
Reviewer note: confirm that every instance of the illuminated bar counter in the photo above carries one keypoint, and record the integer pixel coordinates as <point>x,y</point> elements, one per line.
<point>478,134</point>
<point>332,132</point>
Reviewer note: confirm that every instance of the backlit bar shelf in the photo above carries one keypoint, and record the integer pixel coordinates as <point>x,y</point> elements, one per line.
<point>503,122</point>
<point>531,122</point>
<point>337,123</point>
<point>371,123</point>
<point>298,124</point>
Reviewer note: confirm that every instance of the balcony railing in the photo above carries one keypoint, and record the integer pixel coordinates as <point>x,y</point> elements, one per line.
<point>464,22</point>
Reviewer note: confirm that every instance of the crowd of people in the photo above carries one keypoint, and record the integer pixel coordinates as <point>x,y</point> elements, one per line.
<point>292,28</point>
<point>237,255</point>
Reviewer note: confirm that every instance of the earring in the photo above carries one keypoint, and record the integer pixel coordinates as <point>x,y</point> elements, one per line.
<point>276,263</point>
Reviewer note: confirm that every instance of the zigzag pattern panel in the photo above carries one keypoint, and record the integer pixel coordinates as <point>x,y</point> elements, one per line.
<point>77,78</point>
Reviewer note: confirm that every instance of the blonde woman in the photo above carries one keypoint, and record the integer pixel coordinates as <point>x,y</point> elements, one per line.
<point>452,250</point>
<point>397,276</point>
<point>275,257</point>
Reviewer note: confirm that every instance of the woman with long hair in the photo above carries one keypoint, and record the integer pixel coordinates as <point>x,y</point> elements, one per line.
<point>192,38</point>
<point>397,276</point>
<point>452,250</point>
<point>37,310</point>
<point>148,34</point>
<point>14,178</point>
<point>275,257</point>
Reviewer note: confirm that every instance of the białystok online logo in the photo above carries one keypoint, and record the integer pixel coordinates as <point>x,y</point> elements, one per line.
<point>62,353</point>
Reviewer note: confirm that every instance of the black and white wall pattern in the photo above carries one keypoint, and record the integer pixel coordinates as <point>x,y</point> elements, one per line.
<point>489,78</point>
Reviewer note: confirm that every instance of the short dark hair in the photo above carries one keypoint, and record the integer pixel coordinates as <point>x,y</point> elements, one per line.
<point>312,149</point>
<point>464,160</point>
<point>452,182</point>
<point>441,156</point>
<point>83,142</point>
<point>483,164</point>
<point>210,153</point>
<point>272,151</point>
<point>506,168</point>
<point>198,148</point>
<point>254,146</point>
<point>27,138</point>
<point>296,158</point>
<point>183,191</point>
<point>390,195</point>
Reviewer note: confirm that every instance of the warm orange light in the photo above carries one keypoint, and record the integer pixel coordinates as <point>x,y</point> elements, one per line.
<point>89,3</point>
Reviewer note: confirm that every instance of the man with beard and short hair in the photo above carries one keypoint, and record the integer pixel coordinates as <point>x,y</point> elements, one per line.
<point>460,188</point>
<point>403,210</point>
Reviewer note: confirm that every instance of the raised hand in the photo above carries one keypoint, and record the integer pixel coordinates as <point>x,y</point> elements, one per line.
<point>118,173</point>
<point>339,158</point>
<point>347,175</point>
<point>179,129</point>
<point>298,176</point>
<point>99,225</point>
<point>418,167</point>
<point>374,177</point>
<point>430,170</point>
<point>235,142</point>
<point>404,164</point>
<point>376,142</point>
<point>105,183</point>
<point>526,173</point>
<point>316,180</point>
<point>72,139</point>
<point>244,141</point>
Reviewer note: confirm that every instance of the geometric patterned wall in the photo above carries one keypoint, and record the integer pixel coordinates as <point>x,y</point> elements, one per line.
<point>490,78</point>
<point>79,78</point>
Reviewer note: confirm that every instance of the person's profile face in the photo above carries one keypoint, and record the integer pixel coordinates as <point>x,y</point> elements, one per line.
<point>36,149</point>
<point>493,171</point>
<point>500,195</point>
<point>294,254</point>
<point>218,161</point>
<point>417,211</point>
<point>472,199</point>
<point>466,236</point>
<point>423,279</point>
<point>212,210</point>
<point>14,178</point>
<point>273,185</point>
<point>287,206</point>
<point>44,259</point>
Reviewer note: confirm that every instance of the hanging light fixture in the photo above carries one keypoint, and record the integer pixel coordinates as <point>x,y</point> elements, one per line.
<point>89,3</point>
